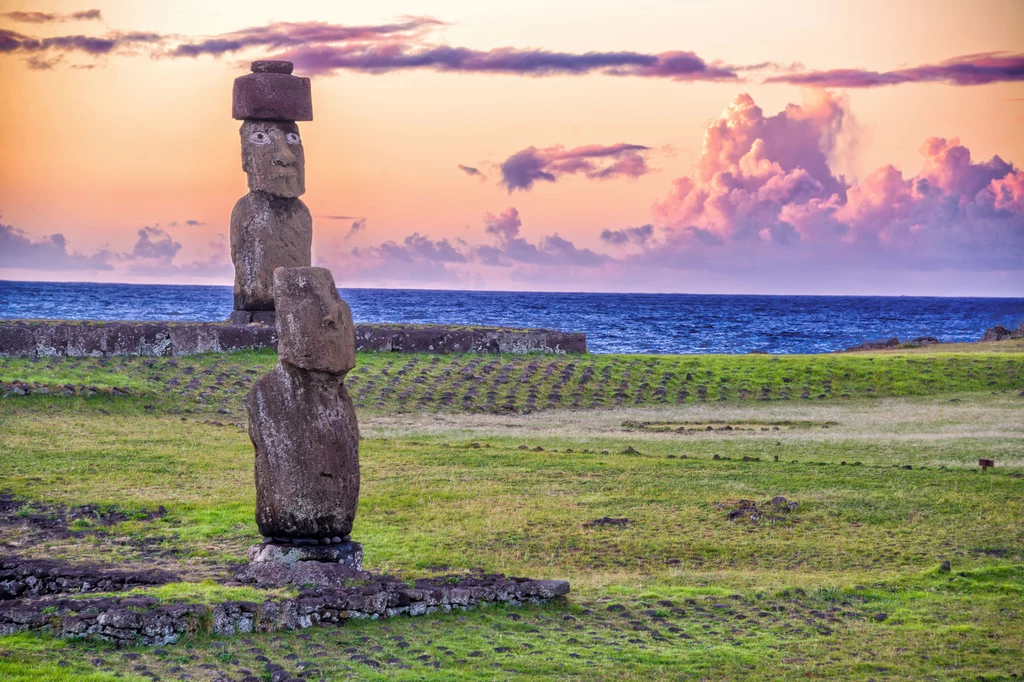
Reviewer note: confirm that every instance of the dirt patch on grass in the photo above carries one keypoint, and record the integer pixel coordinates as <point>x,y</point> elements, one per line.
<point>607,521</point>
<point>771,512</point>
<point>58,521</point>
<point>718,425</point>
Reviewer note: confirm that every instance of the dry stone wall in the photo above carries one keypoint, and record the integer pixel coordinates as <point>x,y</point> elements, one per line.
<point>45,338</point>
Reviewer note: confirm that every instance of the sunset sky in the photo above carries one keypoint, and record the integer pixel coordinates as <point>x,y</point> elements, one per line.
<point>711,146</point>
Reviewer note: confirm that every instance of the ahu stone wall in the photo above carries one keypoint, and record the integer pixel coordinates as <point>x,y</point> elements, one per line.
<point>46,338</point>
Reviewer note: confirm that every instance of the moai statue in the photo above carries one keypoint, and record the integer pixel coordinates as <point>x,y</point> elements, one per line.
<point>303,426</point>
<point>270,226</point>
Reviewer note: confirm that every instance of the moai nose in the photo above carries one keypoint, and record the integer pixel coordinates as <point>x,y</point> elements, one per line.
<point>283,156</point>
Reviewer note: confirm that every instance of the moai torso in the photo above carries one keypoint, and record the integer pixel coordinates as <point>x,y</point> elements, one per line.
<point>267,232</point>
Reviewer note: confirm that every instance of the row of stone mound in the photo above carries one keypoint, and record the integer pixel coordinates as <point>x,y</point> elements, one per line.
<point>24,578</point>
<point>142,620</point>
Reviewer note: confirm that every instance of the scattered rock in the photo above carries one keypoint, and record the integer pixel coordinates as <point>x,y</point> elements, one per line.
<point>606,521</point>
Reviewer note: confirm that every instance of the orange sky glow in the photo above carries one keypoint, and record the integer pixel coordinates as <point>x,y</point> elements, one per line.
<point>123,164</point>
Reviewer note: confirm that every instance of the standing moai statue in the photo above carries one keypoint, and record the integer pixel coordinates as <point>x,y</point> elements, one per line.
<point>270,226</point>
<point>301,419</point>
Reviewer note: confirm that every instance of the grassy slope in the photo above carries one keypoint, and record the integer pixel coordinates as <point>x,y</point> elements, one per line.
<point>454,490</point>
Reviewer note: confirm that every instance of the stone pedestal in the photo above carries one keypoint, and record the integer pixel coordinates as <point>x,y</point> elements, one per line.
<point>348,553</point>
<point>334,565</point>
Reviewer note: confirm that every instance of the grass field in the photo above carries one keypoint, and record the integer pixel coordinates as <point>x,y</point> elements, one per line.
<point>503,464</point>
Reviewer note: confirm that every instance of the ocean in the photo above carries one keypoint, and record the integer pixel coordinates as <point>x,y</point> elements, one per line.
<point>614,323</point>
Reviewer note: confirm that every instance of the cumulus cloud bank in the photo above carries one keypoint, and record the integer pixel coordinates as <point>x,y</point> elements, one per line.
<point>531,165</point>
<point>50,253</point>
<point>153,253</point>
<point>768,180</point>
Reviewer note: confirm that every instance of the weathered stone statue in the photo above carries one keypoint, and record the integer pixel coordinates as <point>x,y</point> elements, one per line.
<point>270,226</point>
<point>301,418</point>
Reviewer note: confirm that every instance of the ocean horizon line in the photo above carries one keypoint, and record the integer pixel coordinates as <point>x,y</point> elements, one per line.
<point>537,291</point>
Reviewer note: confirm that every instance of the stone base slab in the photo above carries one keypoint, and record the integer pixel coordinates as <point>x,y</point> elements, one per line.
<point>347,553</point>
<point>52,338</point>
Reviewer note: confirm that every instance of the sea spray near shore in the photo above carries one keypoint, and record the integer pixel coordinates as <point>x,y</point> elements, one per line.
<point>619,323</point>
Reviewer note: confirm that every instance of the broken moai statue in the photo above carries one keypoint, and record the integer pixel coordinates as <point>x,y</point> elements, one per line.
<point>303,427</point>
<point>270,226</point>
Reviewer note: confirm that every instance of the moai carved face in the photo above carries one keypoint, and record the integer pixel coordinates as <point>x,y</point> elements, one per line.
<point>273,158</point>
<point>314,326</point>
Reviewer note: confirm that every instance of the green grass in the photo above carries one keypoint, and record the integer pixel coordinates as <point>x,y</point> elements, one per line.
<point>517,383</point>
<point>448,489</point>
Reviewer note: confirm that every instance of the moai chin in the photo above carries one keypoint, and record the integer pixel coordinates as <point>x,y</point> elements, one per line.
<point>270,226</point>
<point>301,419</point>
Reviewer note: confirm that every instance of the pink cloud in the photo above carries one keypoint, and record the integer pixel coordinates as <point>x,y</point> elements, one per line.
<point>768,179</point>
<point>972,69</point>
<point>598,162</point>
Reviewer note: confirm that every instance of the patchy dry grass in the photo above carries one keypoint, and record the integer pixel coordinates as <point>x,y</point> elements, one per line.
<point>888,491</point>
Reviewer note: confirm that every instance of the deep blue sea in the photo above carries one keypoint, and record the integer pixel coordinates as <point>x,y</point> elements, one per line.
<point>614,323</point>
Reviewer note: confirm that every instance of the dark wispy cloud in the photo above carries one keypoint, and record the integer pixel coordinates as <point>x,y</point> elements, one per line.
<point>52,17</point>
<point>45,53</point>
<point>321,48</point>
<point>972,69</point>
<point>286,34</point>
<point>628,235</point>
<point>524,168</point>
<point>472,172</point>
<point>195,223</point>
<point>49,253</point>
<point>358,225</point>
<point>391,56</point>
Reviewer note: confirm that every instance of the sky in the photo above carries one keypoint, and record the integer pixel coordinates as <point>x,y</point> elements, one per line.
<point>705,146</point>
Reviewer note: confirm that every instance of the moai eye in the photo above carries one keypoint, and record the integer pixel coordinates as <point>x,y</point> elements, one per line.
<point>293,138</point>
<point>259,137</point>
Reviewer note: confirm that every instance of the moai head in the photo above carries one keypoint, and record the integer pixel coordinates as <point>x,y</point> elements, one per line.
<point>269,101</point>
<point>314,326</point>
<point>272,156</point>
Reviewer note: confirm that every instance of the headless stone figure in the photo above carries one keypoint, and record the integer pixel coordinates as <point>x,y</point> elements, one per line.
<point>270,226</point>
<point>301,419</point>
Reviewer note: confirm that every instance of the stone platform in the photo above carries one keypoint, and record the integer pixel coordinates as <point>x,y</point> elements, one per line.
<point>55,338</point>
<point>131,621</point>
<point>275,565</point>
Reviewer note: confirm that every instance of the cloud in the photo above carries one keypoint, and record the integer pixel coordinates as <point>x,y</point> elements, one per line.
<point>53,17</point>
<point>153,254</point>
<point>21,251</point>
<point>629,235</point>
<point>416,247</point>
<point>46,52</point>
<point>472,172</point>
<point>509,248</point>
<point>531,165</point>
<point>972,69</point>
<point>357,226</point>
<point>195,223</point>
<point>763,189</point>
<point>154,244</point>
<point>321,48</point>
<point>283,34</point>
<point>389,56</point>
